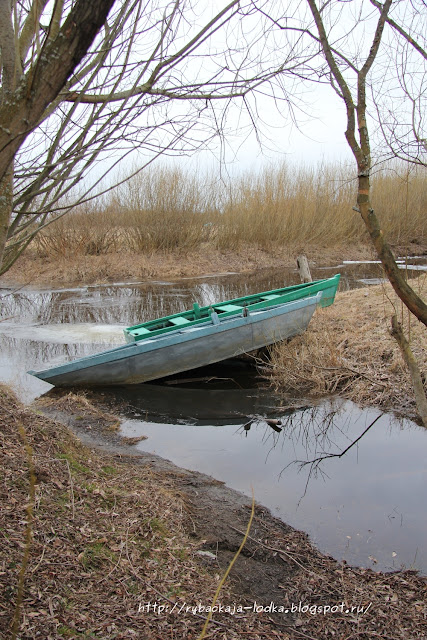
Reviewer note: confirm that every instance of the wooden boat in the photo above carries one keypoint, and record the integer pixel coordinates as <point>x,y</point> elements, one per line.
<point>198,337</point>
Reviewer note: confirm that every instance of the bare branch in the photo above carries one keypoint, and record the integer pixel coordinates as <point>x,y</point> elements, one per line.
<point>45,80</point>
<point>350,133</point>
<point>421,50</point>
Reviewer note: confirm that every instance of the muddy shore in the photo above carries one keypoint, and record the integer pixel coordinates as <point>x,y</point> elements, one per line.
<point>113,532</point>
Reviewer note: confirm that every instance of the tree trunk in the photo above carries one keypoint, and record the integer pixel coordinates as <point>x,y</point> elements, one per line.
<point>408,296</point>
<point>6,199</point>
<point>23,106</point>
<point>408,356</point>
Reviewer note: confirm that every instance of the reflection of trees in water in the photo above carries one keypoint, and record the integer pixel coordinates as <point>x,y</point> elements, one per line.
<point>115,304</point>
<point>34,353</point>
<point>319,430</point>
<point>314,465</point>
<point>20,307</point>
<point>125,303</point>
<point>132,303</point>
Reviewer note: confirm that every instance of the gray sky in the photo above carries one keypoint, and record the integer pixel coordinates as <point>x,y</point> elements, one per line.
<point>318,137</point>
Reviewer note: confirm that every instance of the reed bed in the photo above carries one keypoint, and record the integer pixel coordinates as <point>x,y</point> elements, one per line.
<point>84,231</point>
<point>168,210</point>
<point>348,350</point>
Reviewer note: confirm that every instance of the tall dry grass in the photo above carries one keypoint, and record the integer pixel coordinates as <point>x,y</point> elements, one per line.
<point>164,209</point>
<point>288,205</point>
<point>400,200</point>
<point>86,230</point>
<point>349,351</point>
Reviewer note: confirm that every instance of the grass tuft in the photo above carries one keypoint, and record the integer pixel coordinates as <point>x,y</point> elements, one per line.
<point>348,350</point>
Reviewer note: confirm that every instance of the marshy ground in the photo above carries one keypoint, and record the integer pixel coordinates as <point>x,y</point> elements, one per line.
<point>92,535</point>
<point>91,538</point>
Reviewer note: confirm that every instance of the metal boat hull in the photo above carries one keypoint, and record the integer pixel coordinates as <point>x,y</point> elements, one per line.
<point>185,349</point>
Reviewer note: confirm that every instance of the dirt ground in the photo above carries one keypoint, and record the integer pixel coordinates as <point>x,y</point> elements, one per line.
<point>96,540</point>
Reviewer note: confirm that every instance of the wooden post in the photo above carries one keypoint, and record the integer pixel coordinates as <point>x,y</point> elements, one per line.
<point>304,269</point>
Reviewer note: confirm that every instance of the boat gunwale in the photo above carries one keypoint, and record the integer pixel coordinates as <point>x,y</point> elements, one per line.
<point>299,289</point>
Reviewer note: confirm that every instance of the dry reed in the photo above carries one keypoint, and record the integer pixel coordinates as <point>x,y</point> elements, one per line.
<point>168,210</point>
<point>348,350</point>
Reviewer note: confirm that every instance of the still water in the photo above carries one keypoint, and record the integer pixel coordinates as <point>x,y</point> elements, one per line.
<point>367,506</point>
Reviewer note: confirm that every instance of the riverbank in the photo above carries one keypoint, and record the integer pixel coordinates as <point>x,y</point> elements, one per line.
<point>348,351</point>
<point>33,270</point>
<point>111,533</point>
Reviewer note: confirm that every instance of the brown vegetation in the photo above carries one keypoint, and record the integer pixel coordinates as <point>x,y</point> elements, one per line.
<point>169,210</point>
<point>105,538</point>
<point>125,267</point>
<point>102,535</point>
<point>168,223</point>
<point>348,350</point>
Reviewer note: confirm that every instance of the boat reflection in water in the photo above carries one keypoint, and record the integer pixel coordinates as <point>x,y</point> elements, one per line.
<point>225,393</point>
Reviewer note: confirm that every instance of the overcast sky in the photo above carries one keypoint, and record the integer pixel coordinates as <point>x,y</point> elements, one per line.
<point>318,137</point>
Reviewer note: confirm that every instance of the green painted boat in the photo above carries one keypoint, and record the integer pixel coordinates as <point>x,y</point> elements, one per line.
<point>198,337</point>
<point>199,315</point>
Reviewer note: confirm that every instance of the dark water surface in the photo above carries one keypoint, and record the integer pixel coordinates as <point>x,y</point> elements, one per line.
<point>367,507</point>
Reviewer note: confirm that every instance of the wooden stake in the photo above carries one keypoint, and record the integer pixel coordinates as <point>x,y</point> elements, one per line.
<point>304,269</point>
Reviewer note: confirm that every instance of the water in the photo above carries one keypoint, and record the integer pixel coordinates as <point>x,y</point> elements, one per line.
<point>367,507</point>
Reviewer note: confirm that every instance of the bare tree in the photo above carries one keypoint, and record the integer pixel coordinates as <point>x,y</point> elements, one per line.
<point>350,58</point>
<point>28,87</point>
<point>400,106</point>
<point>353,94</point>
<point>149,84</point>
<point>372,55</point>
<point>149,80</point>
<point>354,56</point>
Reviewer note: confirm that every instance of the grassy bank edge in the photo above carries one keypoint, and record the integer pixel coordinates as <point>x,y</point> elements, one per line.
<point>31,270</point>
<point>348,351</point>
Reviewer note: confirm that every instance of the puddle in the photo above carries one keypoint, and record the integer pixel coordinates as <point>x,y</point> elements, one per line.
<point>413,267</point>
<point>371,281</point>
<point>367,507</point>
